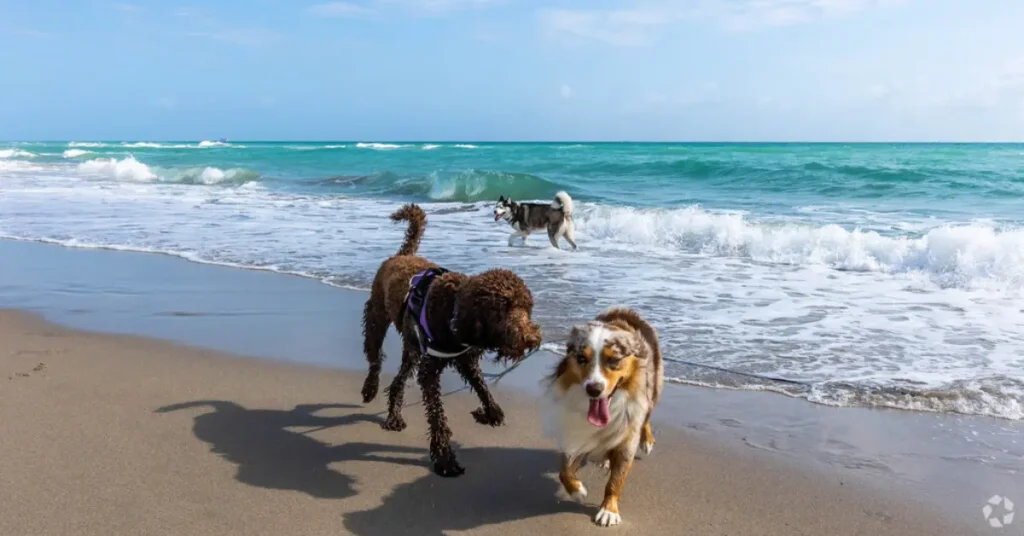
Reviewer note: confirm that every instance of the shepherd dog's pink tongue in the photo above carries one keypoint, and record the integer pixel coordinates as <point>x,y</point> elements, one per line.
<point>598,414</point>
<point>497,217</point>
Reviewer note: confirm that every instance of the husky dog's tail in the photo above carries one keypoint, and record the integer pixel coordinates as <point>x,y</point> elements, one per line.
<point>417,219</point>
<point>564,202</point>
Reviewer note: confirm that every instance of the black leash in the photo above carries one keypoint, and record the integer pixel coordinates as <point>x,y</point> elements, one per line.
<point>739,373</point>
<point>495,378</point>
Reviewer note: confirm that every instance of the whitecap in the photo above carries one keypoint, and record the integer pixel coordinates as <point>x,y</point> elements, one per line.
<point>378,146</point>
<point>15,153</point>
<point>128,169</point>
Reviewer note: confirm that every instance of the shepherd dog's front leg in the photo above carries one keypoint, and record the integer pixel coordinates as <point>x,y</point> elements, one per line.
<point>609,515</point>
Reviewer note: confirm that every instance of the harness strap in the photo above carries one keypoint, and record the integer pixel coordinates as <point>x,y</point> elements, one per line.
<point>416,303</point>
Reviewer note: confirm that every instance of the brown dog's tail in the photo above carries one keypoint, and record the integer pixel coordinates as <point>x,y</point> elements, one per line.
<point>417,219</point>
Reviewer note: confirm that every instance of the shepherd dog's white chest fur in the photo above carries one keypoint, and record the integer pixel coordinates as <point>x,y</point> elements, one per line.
<point>566,422</point>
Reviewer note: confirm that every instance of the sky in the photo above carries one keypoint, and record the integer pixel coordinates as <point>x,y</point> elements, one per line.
<point>513,70</point>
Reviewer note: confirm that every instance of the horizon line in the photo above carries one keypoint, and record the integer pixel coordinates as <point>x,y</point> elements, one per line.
<point>690,142</point>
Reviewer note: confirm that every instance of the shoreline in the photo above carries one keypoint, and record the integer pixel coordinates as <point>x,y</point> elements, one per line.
<point>768,384</point>
<point>955,462</point>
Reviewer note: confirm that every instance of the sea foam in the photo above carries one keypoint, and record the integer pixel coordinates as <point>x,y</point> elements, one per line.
<point>379,146</point>
<point>15,153</point>
<point>128,169</point>
<point>964,256</point>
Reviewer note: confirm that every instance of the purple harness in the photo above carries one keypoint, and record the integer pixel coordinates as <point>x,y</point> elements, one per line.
<point>416,302</point>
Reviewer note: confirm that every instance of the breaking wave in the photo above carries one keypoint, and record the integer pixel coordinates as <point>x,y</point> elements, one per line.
<point>379,146</point>
<point>459,186</point>
<point>15,153</point>
<point>131,170</point>
<point>963,256</point>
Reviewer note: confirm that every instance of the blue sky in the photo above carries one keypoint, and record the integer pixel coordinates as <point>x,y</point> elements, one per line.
<point>730,70</point>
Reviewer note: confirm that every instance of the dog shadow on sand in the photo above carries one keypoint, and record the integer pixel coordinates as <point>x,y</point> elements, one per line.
<point>500,484</point>
<point>269,455</point>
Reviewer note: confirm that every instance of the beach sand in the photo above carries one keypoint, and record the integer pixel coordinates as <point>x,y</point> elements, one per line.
<point>286,447</point>
<point>113,434</point>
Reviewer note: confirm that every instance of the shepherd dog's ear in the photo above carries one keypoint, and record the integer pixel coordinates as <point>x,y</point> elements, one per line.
<point>501,199</point>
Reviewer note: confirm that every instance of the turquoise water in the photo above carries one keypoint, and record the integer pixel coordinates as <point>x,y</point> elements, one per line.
<point>880,274</point>
<point>924,177</point>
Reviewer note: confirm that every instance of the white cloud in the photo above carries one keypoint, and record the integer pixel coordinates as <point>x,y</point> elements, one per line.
<point>627,27</point>
<point>26,32</point>
<point>195,15</point>
<point>250,37</point>
<point>438,6</point>
<point>635,25</point>
<point>127,8</point>
<point>879,91</point>
<point>486,35</point>
<point>565,91</point>
<point>703,93</point>
<point>340,10</point>
<point>396,7</point>
<point>1004,87</point>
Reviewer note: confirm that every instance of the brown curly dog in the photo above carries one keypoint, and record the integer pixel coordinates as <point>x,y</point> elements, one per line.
<point>465,315</point>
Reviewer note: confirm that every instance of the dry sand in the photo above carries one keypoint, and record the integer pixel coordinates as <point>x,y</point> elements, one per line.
<point>109,434</point>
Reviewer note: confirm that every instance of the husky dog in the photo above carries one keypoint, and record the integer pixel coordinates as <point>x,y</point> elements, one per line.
<point>526,218</point>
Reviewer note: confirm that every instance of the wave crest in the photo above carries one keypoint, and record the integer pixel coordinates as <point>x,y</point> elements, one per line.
<point>462,186</point>
<point>15,153</point>
<point>128,169</point>
<point>379,146</point>
<point>131,170</point>
<point>964,256</point>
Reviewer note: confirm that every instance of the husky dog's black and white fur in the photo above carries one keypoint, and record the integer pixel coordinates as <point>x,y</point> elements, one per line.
<point>526,218</point>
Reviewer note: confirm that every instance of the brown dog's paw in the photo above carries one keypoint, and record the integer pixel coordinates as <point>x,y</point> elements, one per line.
<point>492,416</point>
<point>449,469</point>
<point>370,388</point>
<point>393,424</point>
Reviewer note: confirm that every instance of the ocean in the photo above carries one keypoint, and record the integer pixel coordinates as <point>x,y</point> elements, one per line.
<point>881,275</point>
